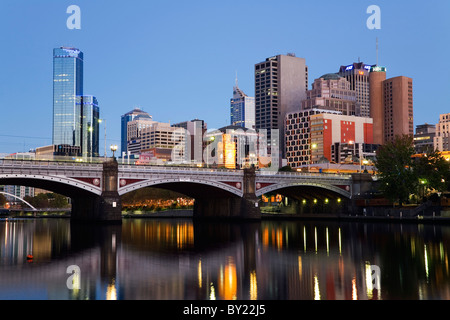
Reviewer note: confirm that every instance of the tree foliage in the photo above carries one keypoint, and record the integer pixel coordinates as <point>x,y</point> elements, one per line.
<point>401,174</point>
<point>395,168</point>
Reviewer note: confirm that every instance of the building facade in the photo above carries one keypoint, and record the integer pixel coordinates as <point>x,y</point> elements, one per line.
<point>280,87</point>
<point>357,74</point>
<point>332,92</point>
<point>339,138</point>
<point>67,85</point>
<point>391,105</point>
<point>298,136</point>
<point>242,109</point>
<point>424,138</point>
<point>127,117</point>
<point>442,138</point>
<point>89,127</point>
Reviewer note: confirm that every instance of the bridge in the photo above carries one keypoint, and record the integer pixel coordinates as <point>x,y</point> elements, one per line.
<point>95,189</point>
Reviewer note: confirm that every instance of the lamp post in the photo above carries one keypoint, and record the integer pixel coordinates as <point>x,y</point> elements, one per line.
<point>113,149</point>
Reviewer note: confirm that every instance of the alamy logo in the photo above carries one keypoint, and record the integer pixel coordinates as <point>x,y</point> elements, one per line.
<point>73,281</point>
<point>375,275</point>
<point>74,20</point>
<point>374,21</point>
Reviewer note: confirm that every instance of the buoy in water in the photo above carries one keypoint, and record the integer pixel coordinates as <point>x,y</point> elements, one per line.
<point>29,257</point>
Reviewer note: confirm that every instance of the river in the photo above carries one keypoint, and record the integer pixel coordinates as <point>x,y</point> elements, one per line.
<point>178,259</point>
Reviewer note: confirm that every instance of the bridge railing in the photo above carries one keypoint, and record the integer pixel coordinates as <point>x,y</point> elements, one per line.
<point>175,169</point>
<point>305,174</point>
<point>10,163</point>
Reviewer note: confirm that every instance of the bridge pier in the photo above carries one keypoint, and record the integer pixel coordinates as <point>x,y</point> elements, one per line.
<point>245,207</point>
<point>104,208</point>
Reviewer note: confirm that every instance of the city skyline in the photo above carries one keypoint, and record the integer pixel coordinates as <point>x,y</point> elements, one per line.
<point>179,62</point>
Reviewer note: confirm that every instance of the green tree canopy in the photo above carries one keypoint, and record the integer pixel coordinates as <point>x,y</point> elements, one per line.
<point>396,169</point>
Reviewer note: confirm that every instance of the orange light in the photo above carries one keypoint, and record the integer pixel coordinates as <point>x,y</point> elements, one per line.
<point>361,72</point>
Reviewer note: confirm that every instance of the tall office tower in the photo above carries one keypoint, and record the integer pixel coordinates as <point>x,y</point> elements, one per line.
<point>398,107</point>
<point>127,117</point>
<point>357,74</point>
<point>331,92</point>
<point>242,109</point>
<point>423,139</point>
<point>89,125</point>
<point>376,77</point>
<point>280,86</point>
<point>391,105</point>
<point>67,85</point>
<point>442,138</point>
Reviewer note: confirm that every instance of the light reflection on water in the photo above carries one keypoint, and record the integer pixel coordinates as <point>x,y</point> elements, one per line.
<point>181,259</point>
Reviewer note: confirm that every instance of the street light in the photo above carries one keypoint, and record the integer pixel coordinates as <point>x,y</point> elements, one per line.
<point>113,149</point>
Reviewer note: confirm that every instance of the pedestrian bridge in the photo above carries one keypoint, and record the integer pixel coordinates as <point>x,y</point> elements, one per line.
<point>95,188</point>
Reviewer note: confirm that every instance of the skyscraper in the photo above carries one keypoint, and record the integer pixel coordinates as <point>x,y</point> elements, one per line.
<point>242,109</point>
<point>67,85</point>
<point>280,86</point>
<point>127,117</point>
<point>357,74</point>
<point>391,105</point>
<point>376,77</point>
<point>89,125</point>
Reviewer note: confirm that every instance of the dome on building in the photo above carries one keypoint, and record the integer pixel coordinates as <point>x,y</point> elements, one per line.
<point>331,76</point>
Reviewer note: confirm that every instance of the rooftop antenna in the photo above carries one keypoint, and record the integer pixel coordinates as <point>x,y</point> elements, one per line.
<point>236,80</point>
<point>377,51</point>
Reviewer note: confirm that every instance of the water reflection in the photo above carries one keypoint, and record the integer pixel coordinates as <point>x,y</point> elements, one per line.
<point>180,259</point>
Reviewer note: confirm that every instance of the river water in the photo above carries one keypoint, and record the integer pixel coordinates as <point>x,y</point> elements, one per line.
<point>175,259</point>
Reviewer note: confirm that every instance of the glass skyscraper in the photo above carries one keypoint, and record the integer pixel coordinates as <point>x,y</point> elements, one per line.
<point>89,129</point>
<point>67,85</point>
<point>242,109</point>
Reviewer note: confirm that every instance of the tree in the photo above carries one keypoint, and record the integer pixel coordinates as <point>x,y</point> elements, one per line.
<point>396,169</point>
<point>432,170</point>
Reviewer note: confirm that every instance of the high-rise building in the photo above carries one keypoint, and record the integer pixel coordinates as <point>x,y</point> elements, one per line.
<point>127,117</point>
<point>376,77</point>
<point>423,139</point>
<point>398,107</point>
<point>194,138</point>
<point>442,138</point>
<point>280,87</point>
<point>357,74</point>
<point>242,109</point>
<point>391,105</point>
<point>332,92</point>
<point>89,125</point>
<point>67,85</point>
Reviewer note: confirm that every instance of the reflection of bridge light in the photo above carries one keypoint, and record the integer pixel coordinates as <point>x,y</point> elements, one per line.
<point>340,248</point>
<point>212,292</point>
<point>111,293</point>
<point>354,290</point>
<point>316,288</point>
<point>426,260</point>
<point>253,286</point>
<point>199,273</point>
<point>228,281</point>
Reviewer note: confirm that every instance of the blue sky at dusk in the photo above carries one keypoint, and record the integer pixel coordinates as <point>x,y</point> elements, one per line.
<point>177,60</point>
